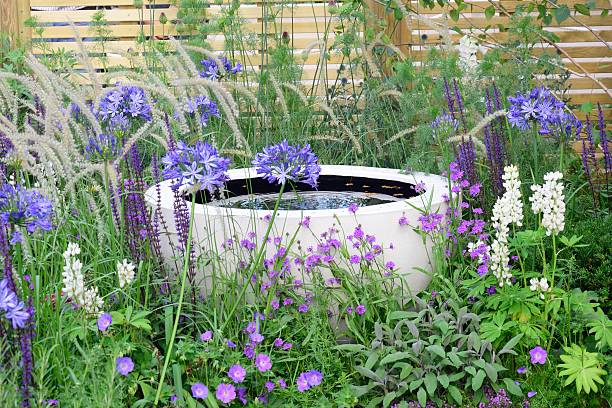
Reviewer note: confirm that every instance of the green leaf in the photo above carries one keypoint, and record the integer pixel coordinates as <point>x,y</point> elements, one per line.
<point>454,14</point>
<point>582,9</point>
<point>415,384</point>
<point>561,14</point>
<point>422,397</point>
<point>581,367</point>
<point>491,372</point>
<point>511,344</point>
<point>478,379</point>
<point>388,399</point>
<point>393,357</point>
<point>431,383</point>
<point>437,349</point>
<point>490,12</point>
<point>443,380</point>
<point>455,394</point>
<point>354,348</point>
<point>512,387</point>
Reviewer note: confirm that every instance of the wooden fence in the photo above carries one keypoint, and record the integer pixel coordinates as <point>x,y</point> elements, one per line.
<point>585,41</point>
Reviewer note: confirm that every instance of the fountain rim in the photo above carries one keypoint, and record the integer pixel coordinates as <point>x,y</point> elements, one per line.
<point>436,189</point>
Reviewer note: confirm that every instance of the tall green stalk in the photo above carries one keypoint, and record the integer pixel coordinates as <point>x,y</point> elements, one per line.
<point>257,260</point>
<point>180,301</point>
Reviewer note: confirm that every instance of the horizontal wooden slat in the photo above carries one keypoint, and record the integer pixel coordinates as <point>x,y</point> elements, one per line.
<point>581,98</point>
<point>564,37</point>
<point>135,15</point>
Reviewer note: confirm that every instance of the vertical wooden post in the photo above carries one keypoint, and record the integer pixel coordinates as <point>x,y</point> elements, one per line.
<point>398,31</point>
<point>12,20</point>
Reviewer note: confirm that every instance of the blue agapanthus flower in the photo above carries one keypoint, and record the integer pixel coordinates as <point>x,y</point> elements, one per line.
<point>283,162</point>
<point>444,125</point>
<point>103,147</point>
<point>211,69</point>
<point>15,310</point>
<point>124,105</point>
<point>202,108</point>
<point>541,107</point>
<point>196,167</point>
<point>29,208</point>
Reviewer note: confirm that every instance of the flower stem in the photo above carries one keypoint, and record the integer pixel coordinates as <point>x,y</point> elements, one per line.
<point>180,301</point>
<point>257,260</point>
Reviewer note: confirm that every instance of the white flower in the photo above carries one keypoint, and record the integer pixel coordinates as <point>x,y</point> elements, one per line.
<point>539,285</point>
<point>500,258</point>
<point>92,303</point>
<point>508,209</point>
<point>548,199</point>
<point>73,281</point>
<point>125,270</point>
<point>468,59</point>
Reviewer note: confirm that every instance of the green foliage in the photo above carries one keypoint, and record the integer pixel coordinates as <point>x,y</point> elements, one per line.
<point>429,354</point>
<point>582,368</point>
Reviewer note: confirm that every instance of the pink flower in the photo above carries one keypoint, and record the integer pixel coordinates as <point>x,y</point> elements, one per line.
<point>353,208</point>
<point>355,259</point>
<point>263,363</point>
<point>538,355</point>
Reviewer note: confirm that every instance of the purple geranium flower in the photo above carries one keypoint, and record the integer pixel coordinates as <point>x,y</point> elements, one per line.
<point>236,373</point>
<point>104,321</point>
<point>206,336</point>
<point>538,355</point>
<point>360,309</point>
<point>521,370</point>
<point>225,393</point>
<point>263,363</point>
<point>283,162</point>
<point>308,379</point>
<point>124,365</point>
<point>199,391</point>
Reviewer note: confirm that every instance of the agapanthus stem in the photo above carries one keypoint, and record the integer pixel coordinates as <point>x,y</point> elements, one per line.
<point>257,260</point>
<point>180,301</point>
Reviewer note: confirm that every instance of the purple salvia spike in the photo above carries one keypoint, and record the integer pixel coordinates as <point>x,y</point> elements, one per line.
<point>449,98</point>
<point>26,336</point>
<point>459,100</point>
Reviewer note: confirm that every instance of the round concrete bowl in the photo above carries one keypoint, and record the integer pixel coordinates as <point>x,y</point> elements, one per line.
<point>214,225</point>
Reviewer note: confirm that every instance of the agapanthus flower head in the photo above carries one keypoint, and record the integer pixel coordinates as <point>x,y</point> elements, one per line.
<point>102,147</point>
<point>15,310</point>
<point>197,167</point>
<point>548,199</point>
<point>124,365</point>
<point>283,162</point>
<point>124,105</point>
<point>542,107</point>
<point>202,108</point>
<point>444,126</point>
<point>211,68</point>
<point>20,206</point>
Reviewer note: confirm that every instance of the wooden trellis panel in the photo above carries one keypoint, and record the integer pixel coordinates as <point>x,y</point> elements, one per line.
<point>585,41</point>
